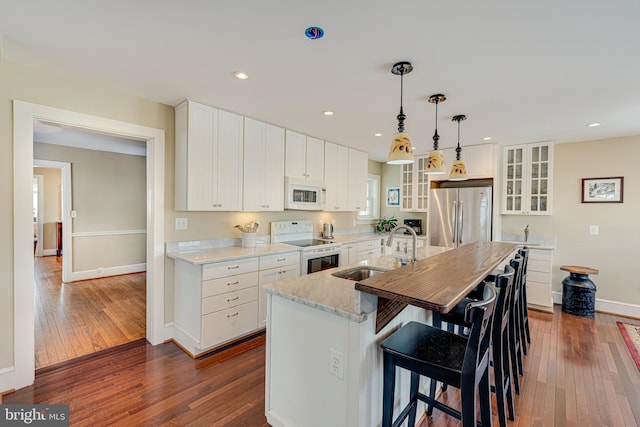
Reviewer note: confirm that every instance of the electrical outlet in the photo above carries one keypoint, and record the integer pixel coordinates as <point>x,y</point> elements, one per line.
<point>594,230</point>
<point>181,223</point>
<point>336,363</point>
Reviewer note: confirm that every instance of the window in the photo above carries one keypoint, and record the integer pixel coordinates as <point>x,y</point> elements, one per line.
<point>372,211</point>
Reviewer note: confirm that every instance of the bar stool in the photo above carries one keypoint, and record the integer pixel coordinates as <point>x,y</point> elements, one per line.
<point>500,359</point>
<point>525,333</point>
<point>513,328</point>
<point>445,357</point>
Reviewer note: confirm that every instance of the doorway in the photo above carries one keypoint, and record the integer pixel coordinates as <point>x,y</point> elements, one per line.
<point>24,114</point>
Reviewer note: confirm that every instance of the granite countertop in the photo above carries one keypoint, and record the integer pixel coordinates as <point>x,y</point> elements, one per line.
<point>338,296</point>
<point>203,255</point>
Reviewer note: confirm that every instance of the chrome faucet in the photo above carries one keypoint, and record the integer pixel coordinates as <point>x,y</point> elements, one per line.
<point>526,233</point>
<point>415,239</point>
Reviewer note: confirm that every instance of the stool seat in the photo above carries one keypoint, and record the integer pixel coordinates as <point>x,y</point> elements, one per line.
<point>576,269</point>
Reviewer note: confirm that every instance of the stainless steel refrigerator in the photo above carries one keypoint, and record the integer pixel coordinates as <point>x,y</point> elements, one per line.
<point>458,216</point>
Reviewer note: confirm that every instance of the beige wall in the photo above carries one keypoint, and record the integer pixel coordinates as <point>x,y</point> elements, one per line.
<point>391,178</point>
<point>52,183</point>
<point>39,87</point>
<point>615,251</point>
<point>109,195</point>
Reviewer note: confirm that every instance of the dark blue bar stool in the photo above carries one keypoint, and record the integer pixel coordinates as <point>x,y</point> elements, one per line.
<point>446,357</point>
<point>500,358</point>
<point>525,333</point>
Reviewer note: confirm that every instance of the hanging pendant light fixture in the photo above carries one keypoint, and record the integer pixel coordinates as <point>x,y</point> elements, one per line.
<point>401,151</point>
<point>458,169</point>
<point>435,162</point>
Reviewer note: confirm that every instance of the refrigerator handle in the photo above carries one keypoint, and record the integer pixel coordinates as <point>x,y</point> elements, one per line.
<point>454,216</point>
<point>461,222</point>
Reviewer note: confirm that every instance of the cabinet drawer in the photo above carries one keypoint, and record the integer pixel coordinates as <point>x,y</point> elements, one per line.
<point>538,276</point>
<point>538,254</point>
<point>228,324</point>
<point>229,300</point>
<point>536,265</point>
<point>371,244</point>
<point>539,294</point>
<point>228,284</point>
<point>277,260</point>
<point>229,268</point>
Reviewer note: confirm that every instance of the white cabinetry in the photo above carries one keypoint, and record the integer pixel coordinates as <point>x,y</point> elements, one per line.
<point>539,269</point>
<point>480,161</point>
<point>275,268</point>
<point>215,303</point>
<point>358,171</point>
<point>304,156</point>
<point>527,179</point>
<point>369,250</point>
<point>402,240</point>
<point>414,186</point>
<point>263,166</point>
<point>348,253</point>
<point>208,158</point>
<point>336,176</point>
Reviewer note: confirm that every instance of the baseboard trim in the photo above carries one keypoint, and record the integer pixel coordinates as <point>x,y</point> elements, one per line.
<point>607,306</point>
<point>107,272</point>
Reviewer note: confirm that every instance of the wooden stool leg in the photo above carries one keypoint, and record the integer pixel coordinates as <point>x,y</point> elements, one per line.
<point>388,390</point>
<point>469,403</point>
<point>413,395</point>
<point>485,399</point>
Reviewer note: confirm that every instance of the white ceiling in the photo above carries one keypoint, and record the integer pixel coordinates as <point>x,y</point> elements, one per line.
<point>520,71</point>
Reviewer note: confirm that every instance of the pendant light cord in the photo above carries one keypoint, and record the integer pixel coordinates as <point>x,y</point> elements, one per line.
<point>458,149</point>
<point>436,137</point>
<point>401,115</point>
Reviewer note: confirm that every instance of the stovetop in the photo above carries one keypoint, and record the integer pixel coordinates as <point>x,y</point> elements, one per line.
<point>308,242</point>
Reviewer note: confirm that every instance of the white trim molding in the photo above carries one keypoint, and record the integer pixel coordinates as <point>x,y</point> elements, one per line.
<point>106,233</point>
<point>108,271</point>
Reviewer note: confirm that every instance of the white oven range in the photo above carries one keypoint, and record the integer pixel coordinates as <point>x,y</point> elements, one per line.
<point>317,254</point>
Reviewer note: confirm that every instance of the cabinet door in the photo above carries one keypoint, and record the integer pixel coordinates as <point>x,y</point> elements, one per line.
<point>414,186</point>
<point>406,189</point>
<point>540,178</point>
<point>314,159</point>
<point>295,154</point>
<point>228,165</point>
<point>263,167</point>
<point>330,176</point>
<point>513,178</point>
<point>358,169</point>
<point>527,172</point>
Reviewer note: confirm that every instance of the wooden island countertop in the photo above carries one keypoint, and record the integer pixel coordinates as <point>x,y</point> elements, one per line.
<point>437,283</point>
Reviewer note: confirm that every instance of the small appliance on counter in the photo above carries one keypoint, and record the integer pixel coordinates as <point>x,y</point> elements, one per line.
<point>327,231</point>
<point>416,224</point>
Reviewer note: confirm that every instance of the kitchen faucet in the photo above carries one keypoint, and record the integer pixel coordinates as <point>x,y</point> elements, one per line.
<point>413,234</point>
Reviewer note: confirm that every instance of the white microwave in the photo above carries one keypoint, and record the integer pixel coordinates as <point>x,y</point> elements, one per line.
<point>302,194</point>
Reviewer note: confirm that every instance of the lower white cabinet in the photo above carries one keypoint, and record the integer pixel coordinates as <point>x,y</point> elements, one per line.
<point>539,270</point>
<point>215,303</point>
<point>369,250</point>
<point>275,268</point>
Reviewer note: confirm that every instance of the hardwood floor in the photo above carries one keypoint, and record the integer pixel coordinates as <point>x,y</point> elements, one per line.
<point>79,318</point>
<point>578,373</point>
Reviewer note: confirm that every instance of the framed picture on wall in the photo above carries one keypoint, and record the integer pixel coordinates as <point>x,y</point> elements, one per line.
<point>393,197</point>
<point>603,190</point>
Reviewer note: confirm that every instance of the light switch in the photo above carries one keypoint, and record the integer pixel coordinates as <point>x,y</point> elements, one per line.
<point>594,230</point>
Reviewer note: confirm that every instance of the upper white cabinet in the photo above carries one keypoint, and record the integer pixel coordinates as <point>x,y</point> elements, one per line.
<point>527,179</point>
<point>304,156</point>
<point>480,161</point>
<point>208,154</point>
<point>414,186</point>
<point>263,166</point>
<point>358,172</point>
<point>336,176</point>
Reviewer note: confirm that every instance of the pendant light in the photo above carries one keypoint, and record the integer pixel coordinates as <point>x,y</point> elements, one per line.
<point>401,151</point>
<point>458,169</point>
<point>435,162</point>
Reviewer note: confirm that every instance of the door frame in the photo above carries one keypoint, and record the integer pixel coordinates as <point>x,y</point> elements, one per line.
<point>24,113</point>
<point>65,209</point>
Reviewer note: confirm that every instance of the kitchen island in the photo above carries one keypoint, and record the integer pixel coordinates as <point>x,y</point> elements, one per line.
<point>323,365</point>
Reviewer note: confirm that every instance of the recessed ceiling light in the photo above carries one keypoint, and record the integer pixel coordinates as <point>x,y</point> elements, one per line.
<point>241,75</point>
<point>328,113</point>
<point>487,138</point>
<point>377,134</point>
<point>592,125</point>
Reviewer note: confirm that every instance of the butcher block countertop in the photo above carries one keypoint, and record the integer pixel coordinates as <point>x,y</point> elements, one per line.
<point>439,282</point>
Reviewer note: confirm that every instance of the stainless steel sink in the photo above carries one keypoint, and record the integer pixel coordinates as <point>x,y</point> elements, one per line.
<point>358,273</point>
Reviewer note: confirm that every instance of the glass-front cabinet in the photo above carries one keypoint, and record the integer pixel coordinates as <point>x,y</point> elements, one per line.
<point>414,186</point>
<point>527,179</point>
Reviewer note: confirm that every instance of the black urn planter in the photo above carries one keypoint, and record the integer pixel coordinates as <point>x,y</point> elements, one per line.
<point>579,292</point>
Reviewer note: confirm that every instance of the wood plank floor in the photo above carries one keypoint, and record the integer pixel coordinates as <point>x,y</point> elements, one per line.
<point>79,318</point>
<point>578,373</point>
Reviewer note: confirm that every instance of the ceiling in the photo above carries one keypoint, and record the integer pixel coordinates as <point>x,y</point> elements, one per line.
<point>520,71</point>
